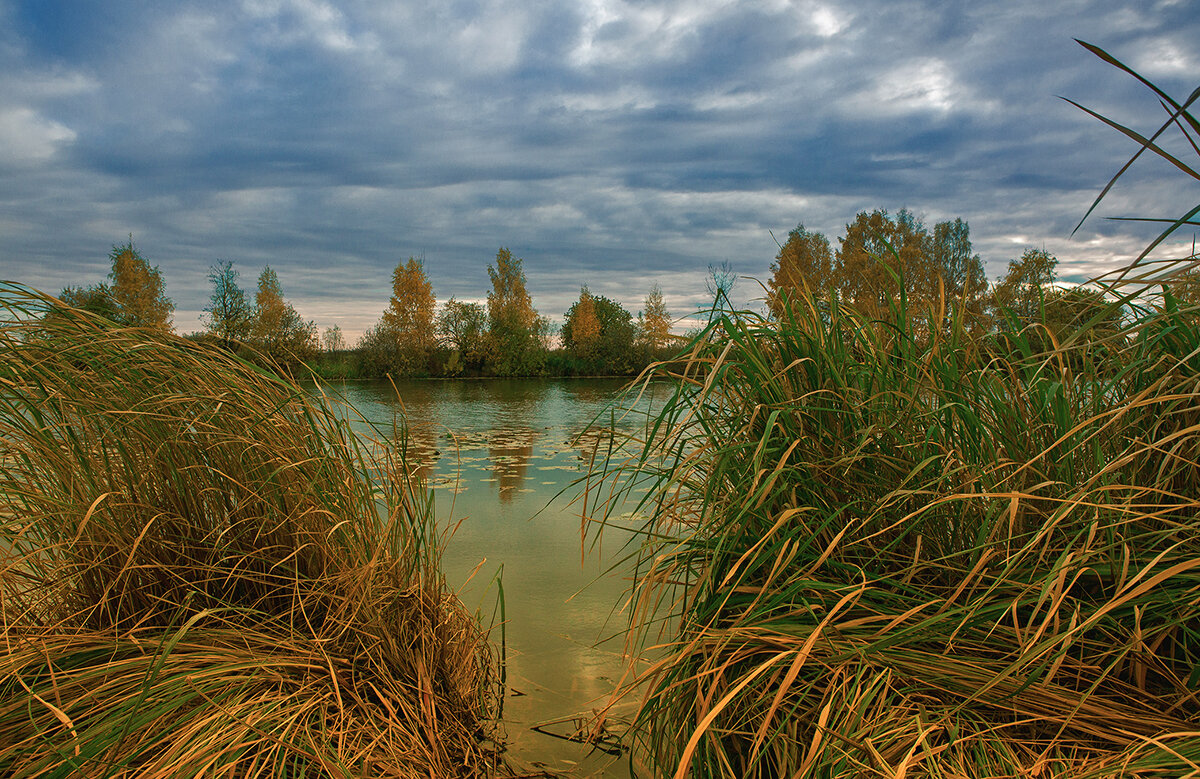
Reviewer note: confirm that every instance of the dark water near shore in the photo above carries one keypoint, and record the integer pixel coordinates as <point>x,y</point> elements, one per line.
<point>502,458</point>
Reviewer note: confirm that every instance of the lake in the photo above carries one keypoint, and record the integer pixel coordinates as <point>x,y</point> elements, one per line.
<point>502,457</point>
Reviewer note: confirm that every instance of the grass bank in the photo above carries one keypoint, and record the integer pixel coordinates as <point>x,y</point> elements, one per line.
<point>880,547</point>
<point>877,546</point>
<point>203,571</point>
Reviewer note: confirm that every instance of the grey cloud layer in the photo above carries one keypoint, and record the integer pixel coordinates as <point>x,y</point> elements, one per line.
<point>605,142</point>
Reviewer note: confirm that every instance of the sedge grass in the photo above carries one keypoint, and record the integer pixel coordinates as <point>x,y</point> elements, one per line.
<point>204,572</point>
<point>886,548</point>
<point>886,553</point>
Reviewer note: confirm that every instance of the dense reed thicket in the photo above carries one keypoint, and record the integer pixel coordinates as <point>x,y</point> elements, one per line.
<point>880,547</point>
<point>204,572</point>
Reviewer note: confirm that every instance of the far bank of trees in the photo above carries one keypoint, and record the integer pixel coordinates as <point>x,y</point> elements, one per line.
<point>880,258</point>
<point>414,336</point>
<point>507,336</point>
<point>266,329</point>
<point>269,327</point>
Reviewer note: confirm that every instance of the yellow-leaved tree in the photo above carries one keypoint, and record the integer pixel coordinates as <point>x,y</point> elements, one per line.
<point>879,250</point>
<point>804,263</point>
<point>515,330</point>
<point>654,323</point>
<point>137,290</point>
<point>277,329</point>
<point>581,332</point>
<point>409,315</point>
<point>401,343</point>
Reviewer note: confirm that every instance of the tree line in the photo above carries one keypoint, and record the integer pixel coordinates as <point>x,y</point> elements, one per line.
<point>507,336</point>
<point>413,337</point>
<point>880,258</point>
<point>133,296</point>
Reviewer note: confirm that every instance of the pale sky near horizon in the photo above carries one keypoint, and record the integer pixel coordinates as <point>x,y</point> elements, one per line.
<point>608,143</point>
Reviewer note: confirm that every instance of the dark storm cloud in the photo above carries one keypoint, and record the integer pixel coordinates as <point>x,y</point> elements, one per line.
<point>608,143</point>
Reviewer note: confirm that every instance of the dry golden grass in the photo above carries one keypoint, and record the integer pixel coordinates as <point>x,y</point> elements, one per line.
<point>877,546</point>
<point>884,556</point>
<point>204,572</point>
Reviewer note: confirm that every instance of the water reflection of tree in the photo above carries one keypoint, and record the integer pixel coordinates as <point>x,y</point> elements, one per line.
<point>419,444</point>
<point>591,442</point>
<point>414,425</point>
<point>509,452</point>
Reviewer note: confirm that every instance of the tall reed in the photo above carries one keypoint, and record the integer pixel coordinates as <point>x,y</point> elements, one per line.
<point>877,546</point>
<point>205,572</point>
<point>887,553</point>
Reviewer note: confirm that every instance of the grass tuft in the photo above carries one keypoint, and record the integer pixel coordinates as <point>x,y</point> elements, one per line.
<point>884,548</point>
<point>204,572</point>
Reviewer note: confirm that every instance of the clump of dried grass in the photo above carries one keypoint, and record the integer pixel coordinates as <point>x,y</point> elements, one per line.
<point>884,548</point>
<point>204,571</point>
<point>883,556</point>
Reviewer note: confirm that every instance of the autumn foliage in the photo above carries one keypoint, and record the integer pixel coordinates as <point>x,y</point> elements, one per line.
<point>137,290</point>
<point>581,333</point>
<point>277,329</point>
<point>655,321</point>
<point>600,337</point>
<point>804,262</point>
<point>404,339</point>
<point>516,343</point>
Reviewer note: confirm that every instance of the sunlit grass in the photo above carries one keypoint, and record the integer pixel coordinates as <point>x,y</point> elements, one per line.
<point>888,554</point>
<point>204,572</point>
<point>879,546</point>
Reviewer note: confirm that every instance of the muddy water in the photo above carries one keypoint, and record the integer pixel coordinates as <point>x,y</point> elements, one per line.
<point>502,458</point>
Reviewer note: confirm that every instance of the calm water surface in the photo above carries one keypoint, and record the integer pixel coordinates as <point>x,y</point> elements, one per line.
<point>502,458</point>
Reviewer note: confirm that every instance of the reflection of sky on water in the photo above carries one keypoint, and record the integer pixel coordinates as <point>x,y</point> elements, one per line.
<point>498,453</point>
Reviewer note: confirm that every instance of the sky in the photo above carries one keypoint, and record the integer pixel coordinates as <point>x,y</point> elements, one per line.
<point>608,143</point>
